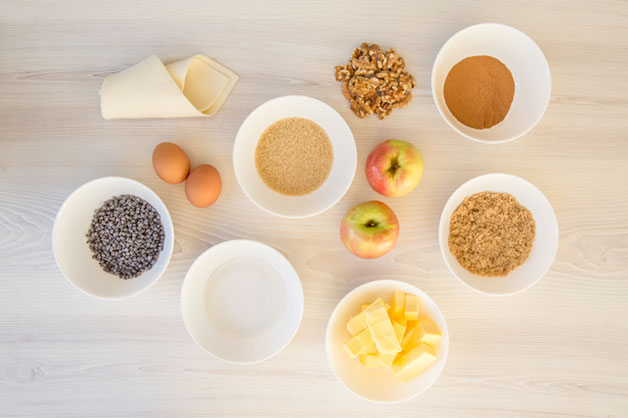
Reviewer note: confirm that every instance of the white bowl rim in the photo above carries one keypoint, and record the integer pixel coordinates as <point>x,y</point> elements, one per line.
<point>168,226</point>
<point>442,250</point>
<point>392,282</point>
<point>440,111</point>
<point>302,302</point>
<point>281,215</point>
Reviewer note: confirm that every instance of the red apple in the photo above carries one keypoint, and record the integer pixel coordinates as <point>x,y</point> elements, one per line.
<point>394,168</point>
<point>370,229</point>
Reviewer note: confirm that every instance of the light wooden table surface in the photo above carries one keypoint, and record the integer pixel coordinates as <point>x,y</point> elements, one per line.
<point>559,349</point>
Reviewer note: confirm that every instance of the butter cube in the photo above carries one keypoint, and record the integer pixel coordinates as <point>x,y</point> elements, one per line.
<point>428,332</point>
<point>382,331</point>
<point>411,308</point>
<point>358,344</point>
<point>385,360</point>
<point>369,360</point>
<point>407,336</point>
<point>400,330</point>
<point>371,349</point>
<point>411,364</point>
<point>398,304</point>
<point>357,324</point>
<point>363,307</point>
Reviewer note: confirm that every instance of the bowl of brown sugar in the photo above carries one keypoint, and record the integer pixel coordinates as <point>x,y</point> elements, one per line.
<point>491,83</point>
<point>294,156</point>
<point>498,234</point>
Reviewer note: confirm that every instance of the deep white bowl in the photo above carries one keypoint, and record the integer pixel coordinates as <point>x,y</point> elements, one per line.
<point>242,301</point>
<point>545,241</point>
<point>342,171</point>
<point>378,384</point>
<point>70,247</point>
<point>524,59</point>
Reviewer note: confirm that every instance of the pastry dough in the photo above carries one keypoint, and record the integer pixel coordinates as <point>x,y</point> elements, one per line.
<point>196,86</point>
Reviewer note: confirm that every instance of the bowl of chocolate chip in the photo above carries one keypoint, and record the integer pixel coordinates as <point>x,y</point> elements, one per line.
<point>113,237</point>
<point>491,83</point>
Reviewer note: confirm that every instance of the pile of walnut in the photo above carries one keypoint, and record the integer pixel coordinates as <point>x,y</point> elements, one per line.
<point>375,81</point>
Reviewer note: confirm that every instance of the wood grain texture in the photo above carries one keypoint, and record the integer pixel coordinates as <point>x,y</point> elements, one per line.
<point>559,349</point>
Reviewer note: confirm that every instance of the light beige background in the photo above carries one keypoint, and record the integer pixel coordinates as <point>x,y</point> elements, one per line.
<point>558,350</point>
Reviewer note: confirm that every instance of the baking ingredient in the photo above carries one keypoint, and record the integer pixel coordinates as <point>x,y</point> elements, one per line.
<point>394,168</point>
<point>411,307</point>
<point>388,340</point>
<point>410,365</point>
<point>126,236</point>
<point>382,331</point>
<point>375,81</point>
<point>479,91</point>
<point>171,163</point>
<point>294,156</point>
<point>203,185</point>
<point>491,234</point>
<point>369,229</point>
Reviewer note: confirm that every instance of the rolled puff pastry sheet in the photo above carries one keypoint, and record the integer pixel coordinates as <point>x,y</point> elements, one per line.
<point>197,86</point>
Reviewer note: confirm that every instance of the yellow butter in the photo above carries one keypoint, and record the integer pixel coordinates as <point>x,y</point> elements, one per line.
<point>411,364</point>
<point>385,360</point>
<point>398,304</point>
<point>382,331</point>
<point>428,332</point>
<point>411,308</point>
<point>369,360</point>
<point>359,344</point>
<point>400,330</point>
<point>357,324</point>
<point>364,306</point>
<point>407,336</point>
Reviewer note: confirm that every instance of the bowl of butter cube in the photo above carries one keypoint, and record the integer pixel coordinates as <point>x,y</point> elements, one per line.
<point>387,341</point>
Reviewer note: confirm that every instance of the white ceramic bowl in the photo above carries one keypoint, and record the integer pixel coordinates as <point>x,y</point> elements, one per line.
<point>73,254</point>
<point>524,59</point>
<point>545,242</point>
<point>375,384</point>
<point>342,171</point>
<point>242,301</point>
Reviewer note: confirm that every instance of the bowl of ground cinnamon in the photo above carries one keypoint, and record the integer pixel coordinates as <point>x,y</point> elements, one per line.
<point>294,156</point>
<point>491,83</point>
<point>498,234</point>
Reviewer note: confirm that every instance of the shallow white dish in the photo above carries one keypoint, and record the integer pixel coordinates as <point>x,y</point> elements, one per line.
<point>242,301</point>
<point>545,241</point>
<point>342,171</point>
<point>524,59</point>
<point>70,247</point>
<point>375,384</point>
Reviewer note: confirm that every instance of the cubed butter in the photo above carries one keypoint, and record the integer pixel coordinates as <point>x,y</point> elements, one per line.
<point>359,344</point>
<point>357,323</point>
<point>369,360</point>
<point>411,327</point>
<point>428,332</point>
<point>411,364</point>
<point>400,329</point>
<point>364,306</point>
<point>382,331</point>
<point>385,360</point>
<point>411,308</point>
<point>397,305</point>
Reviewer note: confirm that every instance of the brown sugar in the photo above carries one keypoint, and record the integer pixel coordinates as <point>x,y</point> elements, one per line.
<point>294,156</point>
<point>491,234</point>
<point>479,91</point>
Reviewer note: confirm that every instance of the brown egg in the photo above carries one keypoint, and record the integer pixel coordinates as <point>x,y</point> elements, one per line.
<point>203,185</point>
<point>170,162</point>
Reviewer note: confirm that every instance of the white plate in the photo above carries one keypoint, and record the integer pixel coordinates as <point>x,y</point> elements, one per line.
<point>242,301</point>
<point>524,59</point>
<point>545,242</point>
<point>70,244</point>
<point>375,384</point>
<point>342,171</point>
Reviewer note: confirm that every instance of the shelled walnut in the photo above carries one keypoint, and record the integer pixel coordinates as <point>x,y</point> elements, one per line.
<point>375,81</point>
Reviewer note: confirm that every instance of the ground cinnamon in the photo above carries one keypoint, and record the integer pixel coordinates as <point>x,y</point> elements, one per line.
<point>479,91</point>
